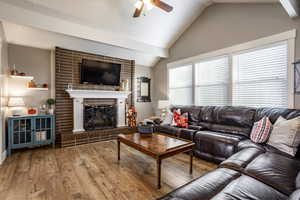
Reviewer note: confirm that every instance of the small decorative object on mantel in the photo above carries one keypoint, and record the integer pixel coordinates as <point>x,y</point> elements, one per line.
<point>32,84</point>
<point>131,117</point>
<point>14,71</point>
<point>70,86</point>
<point>143,89</point>
<point>297,77</point>
<point>124,85</point>
<point>50,103</point>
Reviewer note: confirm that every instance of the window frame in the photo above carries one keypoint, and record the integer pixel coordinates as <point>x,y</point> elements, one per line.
<point>289,37</point>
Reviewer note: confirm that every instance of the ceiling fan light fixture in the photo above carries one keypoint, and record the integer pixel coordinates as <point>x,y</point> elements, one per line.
<point>138,4</point>
<point>149,4</point>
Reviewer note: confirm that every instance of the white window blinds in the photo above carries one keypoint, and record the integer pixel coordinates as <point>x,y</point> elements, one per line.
<point>212,78</point>
<point>180,85</point>
<point>260,77</point>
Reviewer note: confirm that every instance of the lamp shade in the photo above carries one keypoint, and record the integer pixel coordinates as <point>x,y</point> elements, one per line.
<point>16,102</point>
<point>162,104</point>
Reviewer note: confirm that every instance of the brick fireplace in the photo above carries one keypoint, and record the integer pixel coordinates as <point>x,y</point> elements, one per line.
<point>67,71</point>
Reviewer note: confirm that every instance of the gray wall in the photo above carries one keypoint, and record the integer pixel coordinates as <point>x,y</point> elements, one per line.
<point>3,80</point>
<point>144,110</point>
<point>34,62</point>
<point>37,63</point>
<point>225,25</point>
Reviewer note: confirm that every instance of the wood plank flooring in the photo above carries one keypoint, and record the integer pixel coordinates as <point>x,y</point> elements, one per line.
<point>91,172</point>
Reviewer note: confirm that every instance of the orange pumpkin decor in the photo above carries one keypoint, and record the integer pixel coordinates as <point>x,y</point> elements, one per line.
<point>32,111</point>
<point>32,84</point>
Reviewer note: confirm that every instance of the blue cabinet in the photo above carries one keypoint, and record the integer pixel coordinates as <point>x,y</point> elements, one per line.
<point>30,131</point>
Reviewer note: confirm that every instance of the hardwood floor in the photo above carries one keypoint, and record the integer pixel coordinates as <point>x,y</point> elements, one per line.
<point>91,172</point>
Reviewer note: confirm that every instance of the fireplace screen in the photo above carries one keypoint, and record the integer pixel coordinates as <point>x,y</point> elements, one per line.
<point>99,117</point>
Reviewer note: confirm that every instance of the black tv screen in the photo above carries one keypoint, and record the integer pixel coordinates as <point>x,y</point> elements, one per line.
<point>100,73</point>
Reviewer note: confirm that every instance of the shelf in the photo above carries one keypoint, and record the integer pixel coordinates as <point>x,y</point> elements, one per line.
<point>39,89</point>
<point>28,78</point>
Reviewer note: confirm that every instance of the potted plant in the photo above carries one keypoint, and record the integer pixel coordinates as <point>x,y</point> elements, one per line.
<point>50,103</point>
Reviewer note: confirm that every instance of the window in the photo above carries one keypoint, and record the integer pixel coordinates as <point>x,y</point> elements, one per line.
<point>212,78</point>
<point>260,77</point>
<point>255,74</point>
<point>180,85</point>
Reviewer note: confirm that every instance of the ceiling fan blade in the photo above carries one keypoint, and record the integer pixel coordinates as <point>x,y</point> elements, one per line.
<point>162,5</point>
<point>138,11</point>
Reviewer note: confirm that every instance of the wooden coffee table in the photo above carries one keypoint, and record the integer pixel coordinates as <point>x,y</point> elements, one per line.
<point>159,146</point>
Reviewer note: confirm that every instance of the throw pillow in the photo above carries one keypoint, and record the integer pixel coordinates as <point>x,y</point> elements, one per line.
<point>169,118</point>
<point>261,130</point>
<point>180,120</point>
<point>176,116</point>
<point>286,135</point>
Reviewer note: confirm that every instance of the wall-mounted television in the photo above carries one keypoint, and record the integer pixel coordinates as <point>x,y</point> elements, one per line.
<point>100,73</point>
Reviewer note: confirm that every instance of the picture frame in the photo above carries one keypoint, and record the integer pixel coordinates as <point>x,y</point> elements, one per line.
<point>143,89</point>
<point>297,77</point>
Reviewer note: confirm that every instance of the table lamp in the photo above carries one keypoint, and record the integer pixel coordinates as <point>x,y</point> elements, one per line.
<point>16,103</point>
<point>163,105</point>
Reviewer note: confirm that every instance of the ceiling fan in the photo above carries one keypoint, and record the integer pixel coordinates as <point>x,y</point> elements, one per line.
<point>140,4</point>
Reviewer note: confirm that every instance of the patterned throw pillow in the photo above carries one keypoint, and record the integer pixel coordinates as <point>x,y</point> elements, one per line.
<point>169,119</point>
<point>180,120</point>
<point>286,135</point>
<point>261,130</point>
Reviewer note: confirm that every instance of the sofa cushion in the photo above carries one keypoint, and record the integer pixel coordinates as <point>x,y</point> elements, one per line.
<point>219,137</point>
<point>227,129</point>
<point>241,159</point>
<point>276,170</point>
<point>216,146</point>
<point>227,119</point>
<point>204,187</point>
<point>171,130</point>
<point>275,113</point>
<point>264,147</point>
<point>298,181</point>
<point>246,187</point>
<point>206,114</point>
<point>244,144</point>
<point>196,127</point>
<point>187,134</point>
<point>234,116</point>
<point>295,195</point>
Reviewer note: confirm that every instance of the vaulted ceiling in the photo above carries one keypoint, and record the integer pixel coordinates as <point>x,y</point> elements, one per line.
<point>101,26</point>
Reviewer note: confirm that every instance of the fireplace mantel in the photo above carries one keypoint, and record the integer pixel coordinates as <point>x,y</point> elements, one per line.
<point>101,94</point>
<point>79,95</point>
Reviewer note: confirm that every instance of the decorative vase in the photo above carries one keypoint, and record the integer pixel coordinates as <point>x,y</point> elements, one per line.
<point>51,111</point>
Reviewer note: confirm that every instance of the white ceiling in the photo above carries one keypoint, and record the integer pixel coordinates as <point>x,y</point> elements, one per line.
<point>107,22</point>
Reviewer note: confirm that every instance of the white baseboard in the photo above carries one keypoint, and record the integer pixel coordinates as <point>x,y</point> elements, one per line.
<point>3,157</point>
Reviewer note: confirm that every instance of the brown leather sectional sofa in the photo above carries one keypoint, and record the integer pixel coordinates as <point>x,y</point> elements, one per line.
<point>247,170</point>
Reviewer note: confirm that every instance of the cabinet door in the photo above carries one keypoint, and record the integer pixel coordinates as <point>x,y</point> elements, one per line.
<point>43,130</point>
<point>21,132</point>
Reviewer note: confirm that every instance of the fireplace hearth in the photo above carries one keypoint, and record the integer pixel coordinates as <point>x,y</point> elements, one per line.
<point>98,117</point>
